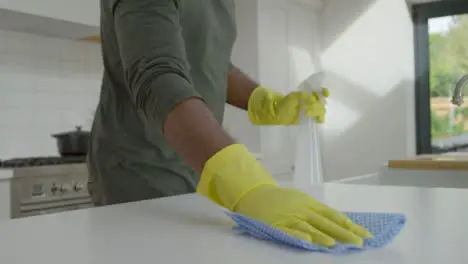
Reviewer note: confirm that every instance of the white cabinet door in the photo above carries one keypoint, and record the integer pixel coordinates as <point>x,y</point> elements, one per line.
<point>274,73</point>
<point>303,43</point>
<point>245,57</point>
<point>4,199</point>
<point>303,47</point>
<point>288,53</point>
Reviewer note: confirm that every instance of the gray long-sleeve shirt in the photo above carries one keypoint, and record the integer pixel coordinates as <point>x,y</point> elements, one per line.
<point>157,53</point>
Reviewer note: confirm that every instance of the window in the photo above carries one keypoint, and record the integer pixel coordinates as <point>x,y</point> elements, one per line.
<point>441,49</point>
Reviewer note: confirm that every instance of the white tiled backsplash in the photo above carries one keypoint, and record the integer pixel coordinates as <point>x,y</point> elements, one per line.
<point>47,85</point>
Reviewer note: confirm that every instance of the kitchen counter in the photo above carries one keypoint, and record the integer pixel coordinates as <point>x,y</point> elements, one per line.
<point>190,229</point>
<point>5,174</point>
<point>447,170</point>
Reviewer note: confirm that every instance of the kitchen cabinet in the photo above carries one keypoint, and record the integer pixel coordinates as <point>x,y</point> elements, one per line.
<point>277,44</point>
<point>288,53</point>
<point>245,57</point>
<point>5,180</point>
<point>84,12</point>
<point>57,18</point>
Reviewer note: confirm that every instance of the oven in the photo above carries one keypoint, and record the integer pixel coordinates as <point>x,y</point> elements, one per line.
<point>48,185</point>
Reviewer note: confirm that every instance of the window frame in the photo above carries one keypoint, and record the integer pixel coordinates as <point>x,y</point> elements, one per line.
<point>421,14</point>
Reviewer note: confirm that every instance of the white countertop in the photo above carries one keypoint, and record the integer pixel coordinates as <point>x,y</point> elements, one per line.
<point>189,229</point>
<point>5,174</point>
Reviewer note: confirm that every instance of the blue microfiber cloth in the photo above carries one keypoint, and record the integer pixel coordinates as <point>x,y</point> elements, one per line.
<point>384,226</point>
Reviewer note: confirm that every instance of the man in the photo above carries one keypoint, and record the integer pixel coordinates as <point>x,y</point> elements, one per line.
<point>157,132</point>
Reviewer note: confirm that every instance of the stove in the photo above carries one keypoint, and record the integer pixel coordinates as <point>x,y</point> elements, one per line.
<point>43,185</point>
<point>41,161</point>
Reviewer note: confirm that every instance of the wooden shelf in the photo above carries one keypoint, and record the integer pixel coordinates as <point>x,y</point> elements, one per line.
<point>96,39</point>
<point>432,162</point>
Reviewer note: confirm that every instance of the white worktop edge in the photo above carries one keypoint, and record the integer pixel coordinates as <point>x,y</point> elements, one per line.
<point>6,174</point>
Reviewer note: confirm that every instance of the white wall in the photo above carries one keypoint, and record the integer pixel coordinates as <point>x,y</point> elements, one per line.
<point>367,45</point>
<point>47,86</point>
<point>245,56</point>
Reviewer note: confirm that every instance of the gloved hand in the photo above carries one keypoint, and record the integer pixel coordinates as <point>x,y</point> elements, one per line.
<point>300,216</point>
<point>268,107</point>
<point>234,179</point>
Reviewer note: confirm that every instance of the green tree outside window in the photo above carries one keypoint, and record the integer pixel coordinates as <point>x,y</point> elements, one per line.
<point>448,62</point>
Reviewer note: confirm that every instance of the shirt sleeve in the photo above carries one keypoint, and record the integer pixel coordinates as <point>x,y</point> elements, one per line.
<point>153,55</point>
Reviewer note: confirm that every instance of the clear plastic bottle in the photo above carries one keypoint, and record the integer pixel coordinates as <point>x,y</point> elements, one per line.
<point>308,169</point>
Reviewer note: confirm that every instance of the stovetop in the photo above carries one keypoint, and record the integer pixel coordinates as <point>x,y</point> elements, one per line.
<point>40,161</point>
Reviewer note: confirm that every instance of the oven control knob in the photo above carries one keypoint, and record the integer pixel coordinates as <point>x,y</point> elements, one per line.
<point>64,188</point>
<point>78,187</point>
<point>54,188</point>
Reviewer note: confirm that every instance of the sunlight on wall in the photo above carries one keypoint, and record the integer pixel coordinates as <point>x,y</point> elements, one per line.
<point>342,117</point>
<point>356,46</point>
<point>302,65</point>
<point>339,117</point>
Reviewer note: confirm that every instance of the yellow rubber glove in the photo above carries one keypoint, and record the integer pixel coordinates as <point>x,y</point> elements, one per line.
<point>234,179</point>
<point>268,107</point>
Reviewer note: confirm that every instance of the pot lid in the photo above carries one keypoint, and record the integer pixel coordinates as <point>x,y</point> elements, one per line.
<point>77,131</point>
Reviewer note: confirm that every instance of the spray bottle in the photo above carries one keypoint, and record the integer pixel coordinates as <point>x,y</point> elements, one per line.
<point>308,170</point>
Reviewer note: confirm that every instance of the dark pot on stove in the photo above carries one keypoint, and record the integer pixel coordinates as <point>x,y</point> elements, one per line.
<point>73,143</point>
